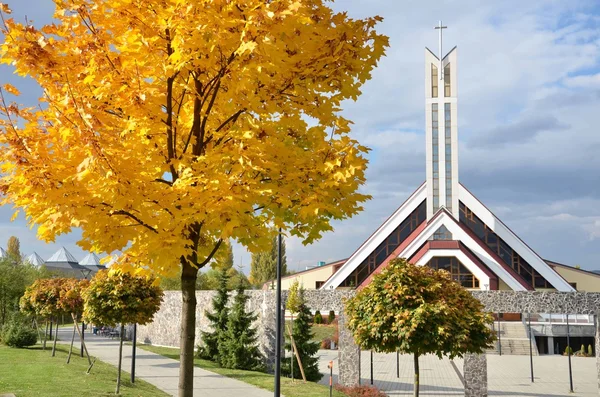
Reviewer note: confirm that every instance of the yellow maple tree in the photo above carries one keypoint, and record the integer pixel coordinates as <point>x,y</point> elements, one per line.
<point>168,126</point>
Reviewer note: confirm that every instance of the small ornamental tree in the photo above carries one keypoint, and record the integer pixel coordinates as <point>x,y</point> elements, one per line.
<point>118,297</point>
<point>293,304</point>
<point>238,348</point>
<point>217,319</point>
<point>42,298</point>
<point>305,346</point>
<point>418,310</point>
<point>71,301</point>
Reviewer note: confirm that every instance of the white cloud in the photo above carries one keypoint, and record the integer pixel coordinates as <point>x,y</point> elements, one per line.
<point>519,61</point>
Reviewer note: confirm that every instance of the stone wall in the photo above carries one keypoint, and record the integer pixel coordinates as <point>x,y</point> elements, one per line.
<point>539,302</point>
<point>475,375</point>
<point>165,328</point>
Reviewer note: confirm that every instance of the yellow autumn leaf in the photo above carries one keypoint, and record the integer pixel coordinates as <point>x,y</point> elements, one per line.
<point>5,9</point>
<point>11,89</point>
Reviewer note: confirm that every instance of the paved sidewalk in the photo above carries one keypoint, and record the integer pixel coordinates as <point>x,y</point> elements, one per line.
<point>508,376</point>
<point>160,371</point>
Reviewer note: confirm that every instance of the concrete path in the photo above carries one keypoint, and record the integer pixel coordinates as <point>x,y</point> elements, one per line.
<point>160,371</point>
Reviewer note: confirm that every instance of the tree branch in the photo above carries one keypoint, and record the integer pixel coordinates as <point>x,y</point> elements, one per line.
<point>135,218</point>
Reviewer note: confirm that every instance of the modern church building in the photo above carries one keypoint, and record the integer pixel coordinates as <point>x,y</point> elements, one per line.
<point>443,225</point>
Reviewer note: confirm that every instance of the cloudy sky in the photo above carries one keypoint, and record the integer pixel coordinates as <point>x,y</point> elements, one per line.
<point>529,102</point>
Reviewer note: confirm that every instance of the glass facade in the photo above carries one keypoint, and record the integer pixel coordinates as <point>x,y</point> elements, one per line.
<point>435,156</point>
<point>448,146</point>
<point>504,251</point>
<point>457,270</point>
<point>434,81</point>
<point>447,91</point>
<point>384,249</point>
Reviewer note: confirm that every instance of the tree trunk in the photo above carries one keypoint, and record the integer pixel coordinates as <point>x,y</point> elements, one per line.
<point>82,341</point>
<point>72,341</point>
<point>416,359</point>
<point>120,358</point>
<point>45,336</point>
<point>292,355</point>
<point>55,336</point>
<point>188,329</point>
<point>37,327</point>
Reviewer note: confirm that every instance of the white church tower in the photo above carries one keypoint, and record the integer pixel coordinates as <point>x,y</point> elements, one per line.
<point>441,129</point>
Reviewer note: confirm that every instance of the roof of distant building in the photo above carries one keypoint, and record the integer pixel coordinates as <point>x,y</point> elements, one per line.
<point>62,255</point>
<point>35,259</point>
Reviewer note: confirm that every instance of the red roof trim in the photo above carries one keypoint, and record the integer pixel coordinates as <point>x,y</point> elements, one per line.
<point>415,233</point>
<point>387,219</point>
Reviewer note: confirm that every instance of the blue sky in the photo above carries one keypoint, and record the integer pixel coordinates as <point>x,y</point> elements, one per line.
<point>529,94</point>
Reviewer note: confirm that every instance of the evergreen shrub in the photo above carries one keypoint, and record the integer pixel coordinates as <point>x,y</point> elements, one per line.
<point>17,333</point>
<point>318,317</point>
<point>331,317</point>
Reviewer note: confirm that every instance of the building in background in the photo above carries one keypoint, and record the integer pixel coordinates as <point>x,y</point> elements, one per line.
<point>443,225</point>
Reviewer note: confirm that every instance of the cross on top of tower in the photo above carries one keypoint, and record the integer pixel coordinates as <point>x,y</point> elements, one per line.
<point>441,28</point>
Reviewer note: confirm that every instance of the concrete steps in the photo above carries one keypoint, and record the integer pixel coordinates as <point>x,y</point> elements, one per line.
<point>513,336</point>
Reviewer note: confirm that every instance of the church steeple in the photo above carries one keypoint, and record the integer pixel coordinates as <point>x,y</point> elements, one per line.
<point>441,129</point>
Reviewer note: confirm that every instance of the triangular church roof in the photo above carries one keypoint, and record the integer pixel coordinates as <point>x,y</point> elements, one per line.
<point>3,253</point>
<point>62,255</point>
<point>424,232</point>
<point>35,259</point>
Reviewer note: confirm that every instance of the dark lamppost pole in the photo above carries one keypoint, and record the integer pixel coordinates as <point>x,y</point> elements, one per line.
<point>359,364</point>
<point>569,354</point>
<point>277,391</point>
<point>530,347</point>
<point>499,337</point>
<point>371,367</point>
<point>134,337</point>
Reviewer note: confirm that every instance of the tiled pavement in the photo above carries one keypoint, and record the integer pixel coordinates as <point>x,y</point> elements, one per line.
<point>507,375</point>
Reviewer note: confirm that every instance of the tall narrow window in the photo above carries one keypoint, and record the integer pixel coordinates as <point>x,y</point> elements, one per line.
<point>435,156</point>
<point>434,81</point>
<point>447,92</point>
<point>448,153</point>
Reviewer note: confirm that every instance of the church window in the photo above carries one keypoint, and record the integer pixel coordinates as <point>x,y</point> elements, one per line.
<point>434,81</point>
<point>442,234</point>
<point>447,81</point>
<point>448,145</point>
<point>435,156</point>
<point>502,249</point>
<point>385,249</point>
<point>457,270</point>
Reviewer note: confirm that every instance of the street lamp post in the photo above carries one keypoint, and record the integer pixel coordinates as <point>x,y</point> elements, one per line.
<point>277,388</point>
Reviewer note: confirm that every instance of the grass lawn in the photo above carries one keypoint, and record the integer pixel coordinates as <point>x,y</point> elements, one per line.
<point>288,388</point>
<point>32,372</point>
<point>320,331</point>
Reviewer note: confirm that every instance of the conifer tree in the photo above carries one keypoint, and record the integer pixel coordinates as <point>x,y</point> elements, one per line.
<point>238,348</point>
<point>218,321</point>
<point>307,348</point>
<point>264,264</point>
